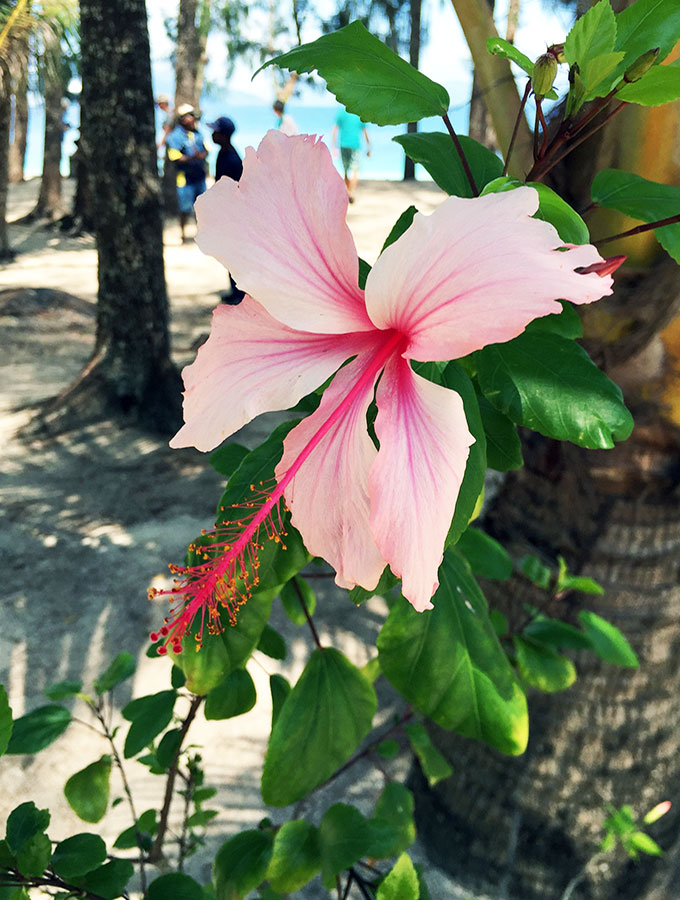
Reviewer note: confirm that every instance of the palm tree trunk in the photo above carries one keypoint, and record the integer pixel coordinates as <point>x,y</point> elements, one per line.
<point>193,23</point>
<point>130,373</point>
<point>415,11</point>
<point>50,203</point>
<point>17,148</point>
<point>5,111</point>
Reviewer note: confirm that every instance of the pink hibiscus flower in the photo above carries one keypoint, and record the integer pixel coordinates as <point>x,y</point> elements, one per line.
<point>473,273</point>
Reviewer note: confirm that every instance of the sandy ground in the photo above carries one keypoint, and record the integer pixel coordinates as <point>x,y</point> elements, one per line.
<point>89,519</point>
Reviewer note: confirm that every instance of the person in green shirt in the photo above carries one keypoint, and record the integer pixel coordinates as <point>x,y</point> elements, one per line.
<point>346,135</point>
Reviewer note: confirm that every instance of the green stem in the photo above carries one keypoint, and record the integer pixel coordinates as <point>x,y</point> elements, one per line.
<point>310,622</point>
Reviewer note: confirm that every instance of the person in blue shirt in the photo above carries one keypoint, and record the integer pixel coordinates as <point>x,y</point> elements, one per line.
<point>346,134</point>
<point>187,150</point>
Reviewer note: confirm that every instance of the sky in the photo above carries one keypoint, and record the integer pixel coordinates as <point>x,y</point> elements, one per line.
<point>444,56</point>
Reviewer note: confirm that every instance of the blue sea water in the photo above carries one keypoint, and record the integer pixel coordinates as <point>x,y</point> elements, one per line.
<point>252,122</point>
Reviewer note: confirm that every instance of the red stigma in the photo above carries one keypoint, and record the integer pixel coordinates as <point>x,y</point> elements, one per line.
<point>606,267</point>
<point>227,573</point>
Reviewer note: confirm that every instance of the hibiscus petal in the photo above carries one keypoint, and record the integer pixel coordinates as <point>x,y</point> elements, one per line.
<point>476,272</point>
<point>282,234</point>
<point>328,497</point>
<point>415,480</point>
<point>250,364</point>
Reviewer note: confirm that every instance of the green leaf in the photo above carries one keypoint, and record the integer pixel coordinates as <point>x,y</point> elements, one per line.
<point>271,643</point>
<point>551,208</point>
<point>168,747</point>
<point>607,641</point>
<point>599,74</point>
<point>38,729</point>
<point>646,24</point>
<point>241,864</point>
<point>567,323</point>
<point>177,677</point>
<point>557,634</point>
<point>326,715</point>
<point>392,825</point>
<point>455,378</point>
<point>344,836</point>
<point>364,269</point>
<point>290,599</point>
<point>62,689</point>
<point>34,856</point>
<point>401,883</point>
<point>87,791</point>
<point>536,571</point>
<point>174,886</point>
<point>388,749</point>
<point>644,843</point>
<point>203,668</point>
<point>551,385</point>
<point>593,34</point>
<point>78,855</point>
<point>436,152</point>
<point>23,823</point>
<point>296,857</point>
<point>146,827</point>
<point>388,580</point>
<point>120,668</point>
<point>108,881</point>
<point>503,446</point>
<point>660,85</point>
<point>201,818</point>
<point>368,77</point>
<point>642,199</point>
<point>279,688</point>
<point>241,639</point>
<point>6,723</point>
<point>499,47</point>
<point>448,662</point>
<point>258,466</point>
<point>434,765</point>
<point>402,225</point>
<point>149,716</point>
<point>228,458</point>
<point>567,582</point>
<point>233,697</point>
<point>485,555</point>
<point>543,667</point>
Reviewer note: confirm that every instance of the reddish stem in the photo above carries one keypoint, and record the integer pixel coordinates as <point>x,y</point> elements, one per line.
<point>461,153</point>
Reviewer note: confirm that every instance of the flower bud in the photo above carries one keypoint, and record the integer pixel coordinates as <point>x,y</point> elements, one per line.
<point>545,69</point>
<point>557,50</point>
<point>641,66</point>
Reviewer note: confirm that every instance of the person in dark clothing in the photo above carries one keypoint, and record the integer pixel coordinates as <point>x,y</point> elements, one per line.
<point>228,165</point>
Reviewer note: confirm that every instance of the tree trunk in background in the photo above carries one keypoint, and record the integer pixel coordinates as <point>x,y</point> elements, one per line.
<point>193,23</point>
<point>5,110</point>
<point>50,204</point>
<point>130,373</point>
<point>415,11</point>
<point>522,829</point>
<point>17,148</point>
<point>480,127</point>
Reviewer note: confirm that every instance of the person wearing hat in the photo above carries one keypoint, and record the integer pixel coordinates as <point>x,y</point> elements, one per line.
<point>187,150</point>
<point>163,103</point>
<point>228,162</point>
<point>228,165</point>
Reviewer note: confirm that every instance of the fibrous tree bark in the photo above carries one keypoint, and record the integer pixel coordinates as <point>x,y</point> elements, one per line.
<point>17,147</point>
<point>5,111</point>
<point>525,828</point>
<point>130,373</point>
<point>193,24</point>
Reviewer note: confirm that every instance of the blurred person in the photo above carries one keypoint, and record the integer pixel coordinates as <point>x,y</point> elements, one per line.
<point>227,165</point>
<point>187,151</point>
<point>163,103</point>
<point>285,122</point>
<point>346,135</point>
